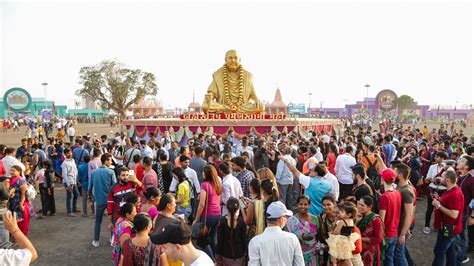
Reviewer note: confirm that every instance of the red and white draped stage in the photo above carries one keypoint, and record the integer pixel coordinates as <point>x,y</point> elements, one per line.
<point>182,128</point>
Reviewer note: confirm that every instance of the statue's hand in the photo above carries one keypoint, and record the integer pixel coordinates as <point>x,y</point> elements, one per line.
<point>208,98</point>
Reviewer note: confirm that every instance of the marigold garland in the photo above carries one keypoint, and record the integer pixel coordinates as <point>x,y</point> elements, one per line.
<point>234,104</point>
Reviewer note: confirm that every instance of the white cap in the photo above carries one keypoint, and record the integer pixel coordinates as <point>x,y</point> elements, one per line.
<point>277,209</point>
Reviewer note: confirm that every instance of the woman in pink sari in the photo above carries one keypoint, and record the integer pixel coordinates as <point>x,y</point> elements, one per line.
<point>19,202</point>
<point>306,227</point>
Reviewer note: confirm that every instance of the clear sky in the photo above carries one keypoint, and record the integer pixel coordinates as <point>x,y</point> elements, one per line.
<point>329,48</point>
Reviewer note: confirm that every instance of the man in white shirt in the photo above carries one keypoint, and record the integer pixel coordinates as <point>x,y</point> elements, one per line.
<point>166,140</point>
<point>344,172</point>
<point>230,186</point>
<point>9,160</point>
<point>59,125</point>
<point>71,132</point>
<point>69,173</point>
<point>130,153</point>
<point>331,179</point>
<point>284,178</point>
<point>146,150</point>
<point>434,172</point>
<point>275,247</point>
<point>176,242</point>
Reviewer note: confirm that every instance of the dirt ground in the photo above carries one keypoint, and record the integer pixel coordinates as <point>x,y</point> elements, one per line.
<point>62,240</point>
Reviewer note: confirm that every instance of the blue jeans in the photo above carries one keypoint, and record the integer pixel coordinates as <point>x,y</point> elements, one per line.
<point>211,222</point>
<point>99,214</point>
<point>400,258</point>
<point>184,210</point>
<point>461,240</point>
<point>390,251</point>
<point>445,248</point>
<point>286,194</point>
<point>74,193</point>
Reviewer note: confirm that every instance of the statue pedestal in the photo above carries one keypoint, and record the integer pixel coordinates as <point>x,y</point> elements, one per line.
<point>208,124</point>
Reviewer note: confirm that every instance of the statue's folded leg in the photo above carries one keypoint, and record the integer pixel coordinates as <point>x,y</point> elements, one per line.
<point>214,107</point>
<point>248,108</point>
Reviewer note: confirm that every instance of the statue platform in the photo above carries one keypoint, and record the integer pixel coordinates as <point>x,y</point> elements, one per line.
<point>184,126</point>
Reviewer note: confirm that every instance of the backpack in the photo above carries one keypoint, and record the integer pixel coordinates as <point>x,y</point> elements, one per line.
<point>375,196</point>
<point>372,171</point>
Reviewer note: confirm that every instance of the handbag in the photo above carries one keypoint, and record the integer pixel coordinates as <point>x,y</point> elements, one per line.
<point>200,229</point>
<point>204,230</point>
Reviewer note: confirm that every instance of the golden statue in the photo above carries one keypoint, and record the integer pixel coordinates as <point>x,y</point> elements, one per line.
<point>232,89</point>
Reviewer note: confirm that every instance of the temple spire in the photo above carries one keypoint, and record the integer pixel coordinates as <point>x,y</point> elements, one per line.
<point>278,97</point>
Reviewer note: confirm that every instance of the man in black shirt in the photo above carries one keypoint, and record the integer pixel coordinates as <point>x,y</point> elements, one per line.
<point>361,187</point>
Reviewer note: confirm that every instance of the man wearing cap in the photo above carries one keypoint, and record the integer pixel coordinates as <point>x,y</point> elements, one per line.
<point>390,206</point>
<point>315,188</point>
<point>275,247</point>
<point>176,241</point>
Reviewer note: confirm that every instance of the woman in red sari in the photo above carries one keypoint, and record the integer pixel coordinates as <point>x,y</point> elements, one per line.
<point>372,231</point>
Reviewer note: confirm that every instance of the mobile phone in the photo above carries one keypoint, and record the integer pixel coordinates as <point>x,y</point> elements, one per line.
<point>131,172</point>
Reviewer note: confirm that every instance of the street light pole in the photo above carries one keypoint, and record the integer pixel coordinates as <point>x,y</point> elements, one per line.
<point>367,98</point>
<point>309,105</point>
<point>45,101</point>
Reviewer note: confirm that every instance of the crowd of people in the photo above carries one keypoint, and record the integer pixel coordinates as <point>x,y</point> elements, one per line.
<point>273,199</point>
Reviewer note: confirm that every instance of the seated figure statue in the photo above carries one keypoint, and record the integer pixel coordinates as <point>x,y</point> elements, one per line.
<point>232,89</point>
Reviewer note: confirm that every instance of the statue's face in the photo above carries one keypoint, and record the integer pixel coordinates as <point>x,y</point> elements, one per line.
<point>232,60</point>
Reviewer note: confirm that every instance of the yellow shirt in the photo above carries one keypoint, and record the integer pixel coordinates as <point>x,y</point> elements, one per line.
<point>425,132</point>
<point>183,189</point>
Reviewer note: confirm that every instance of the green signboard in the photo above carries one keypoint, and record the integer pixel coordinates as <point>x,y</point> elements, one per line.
<point>17,100</point>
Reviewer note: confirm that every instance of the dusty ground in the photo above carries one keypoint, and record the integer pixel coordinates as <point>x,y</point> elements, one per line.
<point>63,240</point>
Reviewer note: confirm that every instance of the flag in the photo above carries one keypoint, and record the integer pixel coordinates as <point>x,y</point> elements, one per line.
<point>362,107</point>
<point>438,109</point>
<point>455,108</point>
<point>54,107</point>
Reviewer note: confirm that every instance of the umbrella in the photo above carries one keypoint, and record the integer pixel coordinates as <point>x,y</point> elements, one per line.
<point>30,119</point>
<point>46,114</point>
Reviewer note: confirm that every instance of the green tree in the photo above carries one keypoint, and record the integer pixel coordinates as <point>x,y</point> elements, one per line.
<point>404,102</point>
<point>114,86</point>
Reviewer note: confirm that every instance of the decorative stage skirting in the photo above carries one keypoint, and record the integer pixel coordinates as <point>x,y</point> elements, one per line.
<point>182,129</point>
